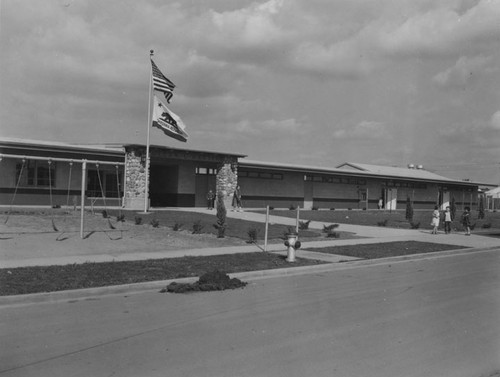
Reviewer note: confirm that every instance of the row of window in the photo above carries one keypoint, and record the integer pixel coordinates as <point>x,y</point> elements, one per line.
<point>262,175</point>
<point>36,173</point>
<point>327,179</point>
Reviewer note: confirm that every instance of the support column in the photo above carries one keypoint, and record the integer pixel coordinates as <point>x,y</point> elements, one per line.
<point>227,180</point>
<point>135,178</point>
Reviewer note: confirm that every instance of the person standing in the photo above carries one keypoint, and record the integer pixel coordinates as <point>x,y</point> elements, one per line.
<point>237,199</point>
<point>380,203</point>
<point>466,220</point>
<point>435,220</point>
<point>210,199</point>
<point>447,221</point>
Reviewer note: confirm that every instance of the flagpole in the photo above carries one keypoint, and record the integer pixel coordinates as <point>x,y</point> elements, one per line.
<point>146,187</point>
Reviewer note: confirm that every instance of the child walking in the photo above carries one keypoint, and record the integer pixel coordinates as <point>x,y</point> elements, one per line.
<point>466,220</point>
<point>435,220</point>
<point>447,221</point>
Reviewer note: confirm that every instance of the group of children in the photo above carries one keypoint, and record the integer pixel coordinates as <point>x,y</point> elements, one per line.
<point>448,219</point>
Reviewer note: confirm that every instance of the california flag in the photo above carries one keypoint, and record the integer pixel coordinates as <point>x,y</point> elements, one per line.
<point>168,122</point>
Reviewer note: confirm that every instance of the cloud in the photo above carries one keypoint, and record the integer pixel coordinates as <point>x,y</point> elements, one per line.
<point>495,121</point>
<point>464,71</point>
<point>363,130</point>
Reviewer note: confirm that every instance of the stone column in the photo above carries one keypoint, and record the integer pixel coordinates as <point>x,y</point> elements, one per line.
<point>135,178</point>
<point>227,179</point>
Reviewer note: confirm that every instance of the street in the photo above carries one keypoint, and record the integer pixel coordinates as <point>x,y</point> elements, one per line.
<point>430,317</point>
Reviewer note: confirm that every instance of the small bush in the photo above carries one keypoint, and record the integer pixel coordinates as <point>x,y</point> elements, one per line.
<point>177,227</point>
<point>120,218</point>
<point>486,226</point>
<point>197,227</point>
<point>332,209</point>
<point>314,208</point>
<point>292,207</point>
<point>332,234</point>
<point>349,209</point>
<point>383,223</point>
<point>105,214</point>
<point>414,225</point>
<point>329,228</point>
<point>252,235</point>
<point>210,281</point>
<point>138,220</point>
<point>304,225</point>
<point>56,206</point>
<point>154,223</point>
<point>364,208</point>
<point>271,208</point>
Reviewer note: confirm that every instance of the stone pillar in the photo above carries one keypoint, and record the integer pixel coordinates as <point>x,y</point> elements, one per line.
<point>135,178</point>
<point>227,179</point>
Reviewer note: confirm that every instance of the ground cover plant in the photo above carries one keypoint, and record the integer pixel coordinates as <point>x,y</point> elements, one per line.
<point>24,280</point>
<point>386,249</point>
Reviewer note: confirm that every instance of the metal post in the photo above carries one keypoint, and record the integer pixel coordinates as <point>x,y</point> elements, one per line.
<point>82,203</point>
<point>297,221</point>
<point>266,228</point>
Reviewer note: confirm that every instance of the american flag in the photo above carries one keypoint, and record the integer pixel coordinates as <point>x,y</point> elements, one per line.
<point>161,83</point>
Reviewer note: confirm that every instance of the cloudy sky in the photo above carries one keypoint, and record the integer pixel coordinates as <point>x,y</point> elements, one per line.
<point>310,82</point>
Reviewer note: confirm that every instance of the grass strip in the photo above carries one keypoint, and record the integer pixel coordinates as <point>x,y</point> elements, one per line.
<point>385,249</point>
<point>25,280</point>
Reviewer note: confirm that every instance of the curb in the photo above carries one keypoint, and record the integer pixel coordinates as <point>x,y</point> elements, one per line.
<point>89,293</point>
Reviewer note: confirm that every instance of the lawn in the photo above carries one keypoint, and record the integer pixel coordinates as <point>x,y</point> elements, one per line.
<point>386,250</point>
<point>24,280</point>
<point>393,219</point>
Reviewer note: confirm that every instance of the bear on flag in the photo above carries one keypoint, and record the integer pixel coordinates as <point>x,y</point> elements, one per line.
<point>167,121</point>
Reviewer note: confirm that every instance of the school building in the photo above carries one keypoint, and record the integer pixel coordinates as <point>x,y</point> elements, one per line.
<point>56,174</point>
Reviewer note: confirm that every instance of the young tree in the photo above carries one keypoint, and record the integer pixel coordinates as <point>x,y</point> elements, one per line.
<point>221,216</point>
<point>453,208</point>
<point>480,214</point>
<point>409,209</point>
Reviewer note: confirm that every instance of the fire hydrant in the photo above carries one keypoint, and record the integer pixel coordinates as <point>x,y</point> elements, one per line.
<point>292,245</point>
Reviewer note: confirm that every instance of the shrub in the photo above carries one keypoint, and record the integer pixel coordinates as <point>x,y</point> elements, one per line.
<point>486,226</point>
<point>138,220</point>
<point>364,208</point>
<point>154,223</point>
<point>271,208</point>
<point>105,214</point>
<point>314,208</point>
<point>120,218</point>
<point>304,225</point>
<point>197,227</point>
<point>329,228</point>
<point>177,227</point>
<point>252,235</point>
<point>383,223</point>
<point>332,209</point>
<point>332,234</point>
<point>414,225</point>
<point>349,209</point>
<point>292,207</point>
<point>220,225</point>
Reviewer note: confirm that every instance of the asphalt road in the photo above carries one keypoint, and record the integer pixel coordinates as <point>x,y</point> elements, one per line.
<point>433,317</point>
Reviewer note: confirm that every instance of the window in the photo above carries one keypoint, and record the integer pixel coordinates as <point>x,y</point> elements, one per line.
<point>36,173</point>
<point>110,187</point>
<point>261,175</point>
<point>201,170</point>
